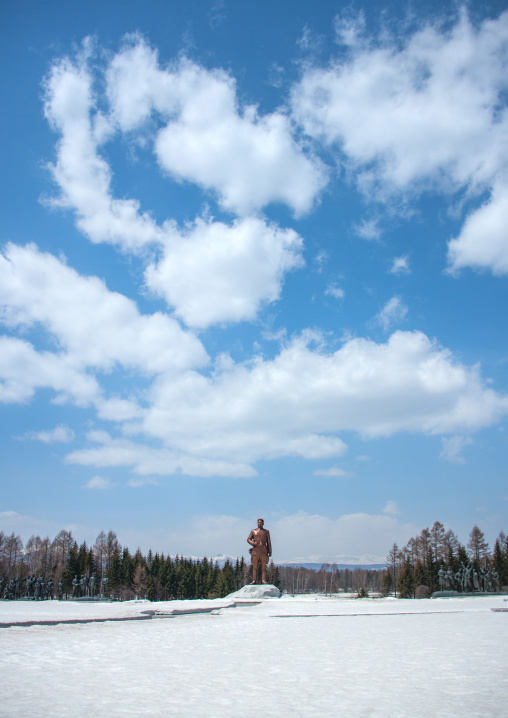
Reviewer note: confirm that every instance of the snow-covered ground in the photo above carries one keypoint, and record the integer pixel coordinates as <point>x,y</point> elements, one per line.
<point>303,656</point>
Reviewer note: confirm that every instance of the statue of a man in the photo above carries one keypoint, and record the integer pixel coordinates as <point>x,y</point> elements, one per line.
<point>261,550</point>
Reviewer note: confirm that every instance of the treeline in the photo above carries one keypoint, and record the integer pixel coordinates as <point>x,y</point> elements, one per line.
<point>411,571</point>
<point>329,580</point>
<point>415,570</point>
<point>154,576</point>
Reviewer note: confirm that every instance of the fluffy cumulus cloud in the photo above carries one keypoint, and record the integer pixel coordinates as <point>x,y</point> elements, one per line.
<point>309,537</point>
<point>400,265</point>
<point>453,448</point>
<point>393,312</point>
<point>483,240</point>
<point>223,421</point>
<point>224,273</point>
<point>60,433</point>
<point>99,483</point>
<point>425,113</point>
<point>92,325</point>
<point>23,370</point>
<point>334,471</point>
<point>209,139</point>
<point>70,333</point>
<point>209,272</point>
<point>83,176</point>
<point>88,328</point>
<point>145,460</point>
<point>297,405</point>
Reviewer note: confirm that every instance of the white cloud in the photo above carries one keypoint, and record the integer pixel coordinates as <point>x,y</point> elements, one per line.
<point>209,139</point>
<point>350,28</point>
<point>297,404</point>
<point>26,526</point>
<point>321,258</point>
<point>145,481</point>
<point>225,272</point>
<point>11,517</point>
<point>333,290</point>
<point>23,370</point>
<point>400,265</point>
<point>99,483</point>
<point>428,113</point>
<point>368,229</point>
<point>223,422</point>
<point>58,434</point>
<point>90,325</point>
<point>82,175</point>
<point>334,471</point>
<point>483,240</point>
<point>453,447</point>
<point>219,273</point>
<point>146,460</point>
<point>393,312</point>
<point>391,508</point>
<point>300,536</point>
<point>347,538</point>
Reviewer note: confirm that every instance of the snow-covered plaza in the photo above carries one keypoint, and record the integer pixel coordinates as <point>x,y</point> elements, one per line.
<point>302,656</point>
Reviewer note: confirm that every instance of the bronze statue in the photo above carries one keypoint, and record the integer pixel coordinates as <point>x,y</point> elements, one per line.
<point>261,550</point>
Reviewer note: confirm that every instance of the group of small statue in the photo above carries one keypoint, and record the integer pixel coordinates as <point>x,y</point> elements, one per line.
<point>467,579</point>
<point>85,587</point>
<point>38,589</point>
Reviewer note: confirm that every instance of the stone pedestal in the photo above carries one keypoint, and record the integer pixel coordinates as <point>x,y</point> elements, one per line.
<point>258,591</point>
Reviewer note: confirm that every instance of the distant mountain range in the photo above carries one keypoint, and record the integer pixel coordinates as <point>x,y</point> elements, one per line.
<point>312,562</point>
<point>341,566</point>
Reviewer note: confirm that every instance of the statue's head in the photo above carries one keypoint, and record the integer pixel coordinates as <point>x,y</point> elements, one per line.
<point>260,523</point>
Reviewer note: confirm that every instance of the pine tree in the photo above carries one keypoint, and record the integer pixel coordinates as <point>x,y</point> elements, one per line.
<point>82,559</point>
<point>462,556</point>
<point>71,568</point>
<point>500,563</point>
<point>90,562</point>
<point>405,584</point>
<point>386,583</point>
<point>127,568</point>
<point>149,559</point>
<point>437,538</point>
<point>115,570</point>
<point>419,575</point>
<point>150,589</point>
<point>391,562</point>
<point>140,581</point>
<point>220,587</point>
<point>451,547</point>
<point>477,546</point>
<point>154,565</point>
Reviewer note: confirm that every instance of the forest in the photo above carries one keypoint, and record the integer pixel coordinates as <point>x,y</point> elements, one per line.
<point>415,570</point>
<point>62,568</point>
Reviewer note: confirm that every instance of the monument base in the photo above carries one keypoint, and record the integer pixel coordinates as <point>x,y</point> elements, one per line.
<point>257,591</point>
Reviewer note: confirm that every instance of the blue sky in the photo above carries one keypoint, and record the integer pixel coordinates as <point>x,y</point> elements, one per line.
<point>253,263</point>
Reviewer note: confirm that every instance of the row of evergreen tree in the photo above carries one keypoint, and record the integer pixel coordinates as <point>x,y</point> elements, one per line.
<point>413,571</point>
<point>154,576</point>
<point>159,577</point>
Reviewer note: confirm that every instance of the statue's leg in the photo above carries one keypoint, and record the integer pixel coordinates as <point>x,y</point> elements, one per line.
<point>255,560</point>
<point>264,561</point>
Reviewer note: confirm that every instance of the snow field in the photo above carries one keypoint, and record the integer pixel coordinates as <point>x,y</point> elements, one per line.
<point>285,657</point>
